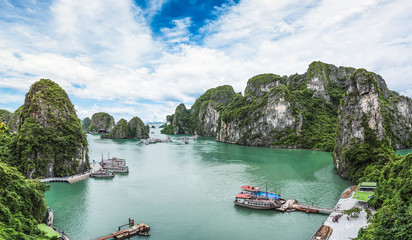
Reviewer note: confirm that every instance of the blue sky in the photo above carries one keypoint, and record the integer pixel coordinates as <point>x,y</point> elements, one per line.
<point>144,57</point>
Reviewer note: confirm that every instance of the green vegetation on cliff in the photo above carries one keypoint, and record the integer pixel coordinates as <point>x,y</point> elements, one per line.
<point>14,121</point>
<point>5,115</point>
<point>49,141</point>
<point>135,128</point>
<point>310,100</point>
<point>101,122</point>
<point>22,205</point>
<point>375,160</point>
<point>190,121</point>
<point>86,123</point>
<point>372,157</point>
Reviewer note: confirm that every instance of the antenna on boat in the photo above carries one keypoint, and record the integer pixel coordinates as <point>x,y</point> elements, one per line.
<point>280,189</point>
<point>266,188</point>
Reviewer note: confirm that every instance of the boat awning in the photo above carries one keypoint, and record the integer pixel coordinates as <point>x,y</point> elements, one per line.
<point>241,195</point>
<point>249,188</point>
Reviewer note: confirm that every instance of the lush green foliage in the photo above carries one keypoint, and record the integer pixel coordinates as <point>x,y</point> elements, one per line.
<point>256,82</point>
<point>100,120</point>
<point>21,205</point>
<point>135,128</point>
<point>353,212</point>
<point>49,132</point>
<point>318,116</point>
<point>86,123</point>
<point>13,123</point>
<point>5,115</point>
<point>318,125</point>
<point>392,198</point>
<point>189,120</point>
<point>374,160</point>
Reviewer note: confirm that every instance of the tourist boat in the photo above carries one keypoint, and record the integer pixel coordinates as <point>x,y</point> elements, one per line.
<point>114,164</point>
<point>117,169</point>
<point>102,174</point>
<point>253,197</point>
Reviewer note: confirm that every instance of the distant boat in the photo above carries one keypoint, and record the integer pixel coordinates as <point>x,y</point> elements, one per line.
<point>114,164</point>
<point>252,197</point>
<point>102,174</point>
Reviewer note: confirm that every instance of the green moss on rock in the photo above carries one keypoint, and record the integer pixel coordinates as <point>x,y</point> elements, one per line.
<point>133,129</point>
<point>5,116</point>
<point>86,123</point>
<point>101,122</point>
<point>50,141</point>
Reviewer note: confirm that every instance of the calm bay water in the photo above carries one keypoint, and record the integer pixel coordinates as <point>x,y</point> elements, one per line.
<point>186,191</point>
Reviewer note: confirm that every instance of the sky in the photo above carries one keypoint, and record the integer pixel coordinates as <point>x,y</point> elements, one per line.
<point>143,58</point>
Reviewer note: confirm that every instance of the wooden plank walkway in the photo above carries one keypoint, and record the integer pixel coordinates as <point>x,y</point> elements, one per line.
<point>307,208</point>
<point>292,205</point>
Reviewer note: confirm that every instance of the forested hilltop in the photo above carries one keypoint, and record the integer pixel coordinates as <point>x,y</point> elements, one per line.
<point>48,142</point>
<point>297,111</point>
<point>349,112</point>
<point>104,124</point>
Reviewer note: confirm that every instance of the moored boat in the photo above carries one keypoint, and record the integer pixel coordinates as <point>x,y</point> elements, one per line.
<point>117,169</point>
<point>252,197</point>
<point>114,164</point>
<point>102,174</point>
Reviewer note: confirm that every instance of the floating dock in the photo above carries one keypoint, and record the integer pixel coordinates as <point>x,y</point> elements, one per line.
<point>139,229</point>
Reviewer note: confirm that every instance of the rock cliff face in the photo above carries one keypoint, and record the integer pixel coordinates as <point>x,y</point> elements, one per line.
<point>5,116</point>
<point>203,116</point>
<point>133,129</point>
<point>101,123</point>
<point>50,141</point>
<point>368,113</point>
<point>15,120</point>
<point>137,129</point>
<point>86,123</point>
<point>328,108</point>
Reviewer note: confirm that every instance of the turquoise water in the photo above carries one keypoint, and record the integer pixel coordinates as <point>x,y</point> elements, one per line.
<point>404,151</point>
<point>186,191</point>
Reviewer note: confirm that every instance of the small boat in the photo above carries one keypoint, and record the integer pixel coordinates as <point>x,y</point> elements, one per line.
<point>102,174</point>
<point>252,197</point>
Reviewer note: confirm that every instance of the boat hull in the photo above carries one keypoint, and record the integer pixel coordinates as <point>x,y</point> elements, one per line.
<point>255,207</point>
<point>101,176</point>
<point>117,170</point>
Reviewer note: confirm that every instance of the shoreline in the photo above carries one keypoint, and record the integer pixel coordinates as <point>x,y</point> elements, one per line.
<point>339,226</point>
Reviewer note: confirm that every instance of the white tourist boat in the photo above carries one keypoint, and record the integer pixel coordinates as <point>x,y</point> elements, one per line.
<point>252,197</point>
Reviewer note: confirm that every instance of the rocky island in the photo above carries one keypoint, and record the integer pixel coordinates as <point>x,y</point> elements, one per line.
<point>101,123</point>
<point>297,111</point>
<point>133,129</point>
<point>49,141</point>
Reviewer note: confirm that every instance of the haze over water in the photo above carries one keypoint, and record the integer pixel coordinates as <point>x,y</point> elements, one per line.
<point>186,191</point>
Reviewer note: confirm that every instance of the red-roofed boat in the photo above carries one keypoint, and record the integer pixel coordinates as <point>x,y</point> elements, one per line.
<point>252,197</point>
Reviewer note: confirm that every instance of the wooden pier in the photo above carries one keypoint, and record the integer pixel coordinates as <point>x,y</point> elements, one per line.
<point>75,178</point>
<point>139,229</point>
<point>292,205</point>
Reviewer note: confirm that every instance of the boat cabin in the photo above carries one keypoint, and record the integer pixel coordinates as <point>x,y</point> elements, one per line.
<point>250,189</point>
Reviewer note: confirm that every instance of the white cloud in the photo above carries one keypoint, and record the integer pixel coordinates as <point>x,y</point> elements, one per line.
<point>180,32</point>
<point>107,48</point>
